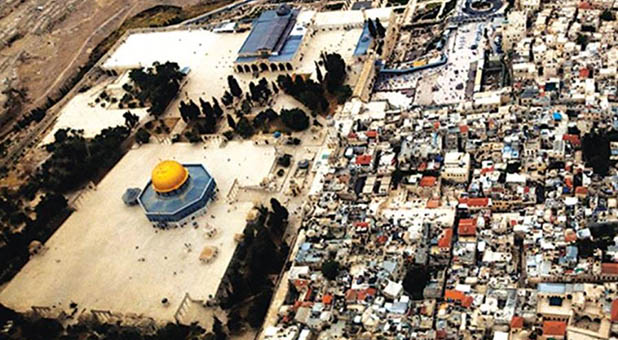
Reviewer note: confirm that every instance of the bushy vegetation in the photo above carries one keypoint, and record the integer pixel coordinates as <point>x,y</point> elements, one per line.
<point>157,85</point>
<point>75,159</point>
<point>261,253</point>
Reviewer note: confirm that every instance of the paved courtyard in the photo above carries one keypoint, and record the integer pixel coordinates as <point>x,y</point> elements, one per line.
<point>107,256</point>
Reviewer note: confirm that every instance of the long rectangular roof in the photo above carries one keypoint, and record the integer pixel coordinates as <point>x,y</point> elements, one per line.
<point>267,32</point>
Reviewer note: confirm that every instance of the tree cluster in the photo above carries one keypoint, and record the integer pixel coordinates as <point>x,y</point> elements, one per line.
<point>415,281</point>
<point>295,119</point>
<point>308,92</point>
<point>130,119</point>
<point>608,15</point>
<point>35,115</point>
<point>50,329</point>
<point>376,30</point>
<point>205,116</point>
<point>330,269</point>
<point>157,85</point>
<point>313,94</point>
<point>257,257</point>
<point>74,159</point>
<point>596,151</point>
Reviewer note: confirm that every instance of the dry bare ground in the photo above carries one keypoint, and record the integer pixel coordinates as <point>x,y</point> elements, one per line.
<point>43,42</point>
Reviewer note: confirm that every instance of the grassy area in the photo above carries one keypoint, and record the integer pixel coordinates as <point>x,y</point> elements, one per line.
<point>433,5</point>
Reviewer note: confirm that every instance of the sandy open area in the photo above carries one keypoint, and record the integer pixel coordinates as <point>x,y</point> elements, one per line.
<point>107,256</point>
<point>211,58</point>
<point>81,113</point>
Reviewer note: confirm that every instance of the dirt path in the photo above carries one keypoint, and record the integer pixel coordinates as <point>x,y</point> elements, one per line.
<point>60,77</point>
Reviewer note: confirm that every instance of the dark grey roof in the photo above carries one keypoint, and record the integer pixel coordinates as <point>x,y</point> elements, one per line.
<point>361,5</point>
<point>268,32</point>
<point>130,196</point>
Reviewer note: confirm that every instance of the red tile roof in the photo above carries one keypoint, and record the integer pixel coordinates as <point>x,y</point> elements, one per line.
<point>614,311</point>
<point>454,295</point>
<point>581,191</point>
<point>363,159</point>
<point>359,294</point>
<point>371,133</point>
<point>554,328</point>
<point>467,301</point>
<point>327,299</point>
<point>432,204</point>
<point>585,5</point>
<point>467,227</point>
<point>475,202</point>
<point>584,73</point>
<point>445,240</point>
<point>570,235</point>
<point>573,139</point>
<point>609,268</point>
<point>428,181</point>
<point>464,128</point>
<point>517,322</point>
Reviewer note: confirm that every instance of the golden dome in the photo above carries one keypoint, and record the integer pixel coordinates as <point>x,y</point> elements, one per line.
<point>168,176</point>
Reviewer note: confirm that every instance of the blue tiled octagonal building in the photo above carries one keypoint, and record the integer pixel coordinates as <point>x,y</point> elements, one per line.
<point>176,193</point>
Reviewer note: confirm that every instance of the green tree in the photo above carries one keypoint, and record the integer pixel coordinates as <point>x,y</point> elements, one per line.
<point>330,269</point>
<point>257,311</point>
<point>49,206</point>
<point>415,281</point>
<point>582,40</point>
<point>142,136</point>
<point>227,98</point>
<point>343,93</point>
<point>130,119</point>
<point>217,328</point>
<point>607,15</point>
<point>218,111</point>
<point>336,71</point>
<point>207,109</point>
<point>380,29</point>
<point>230,122</point>
<point>157,85</point>
<point>295,119</point>
<point>234,321</point>
<point>244,128</point>
<point>234,87</point>
<point>372,28</point>
<point>596,151</point>
<point>318,72</point>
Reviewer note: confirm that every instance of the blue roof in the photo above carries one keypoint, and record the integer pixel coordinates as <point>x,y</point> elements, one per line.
<point>363,41</point>
<point>557,116</point>
<point>268,31</point>
<point>198,183</point>
<point>552,288</point>
<point>289,49</point>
